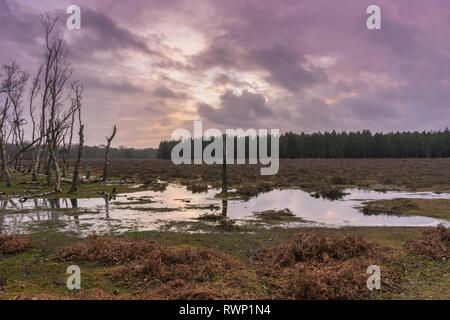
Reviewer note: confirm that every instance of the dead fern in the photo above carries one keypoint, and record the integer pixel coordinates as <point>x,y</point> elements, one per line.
<point>10,244</point>
<point>435,243</point>
<point>107,250</point>
<point>308,246</point>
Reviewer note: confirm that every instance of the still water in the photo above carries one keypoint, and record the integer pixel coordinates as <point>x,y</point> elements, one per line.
<point>150,210</point>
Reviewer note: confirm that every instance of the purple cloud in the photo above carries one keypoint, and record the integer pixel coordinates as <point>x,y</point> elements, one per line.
<point>290,64</point>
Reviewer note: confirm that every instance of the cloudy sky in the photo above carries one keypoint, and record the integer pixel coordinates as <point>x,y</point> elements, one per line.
<point>152,66</point>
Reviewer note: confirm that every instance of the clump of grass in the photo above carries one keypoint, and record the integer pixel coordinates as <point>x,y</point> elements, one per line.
<point>184,290</point>
<point>340,281</point>
<point>134,200</point>
<point>436,208</point>
<point>203,207</point>
<point>10,244</point>
<point>171,263</point>
<point>318,266</point>
<point>107,249</point>
<point>308,246</point>
<point>229,225</point>
<point>150,209</point>
<point>275,214</point>
<point>155,186</point>
<point>210,216</point>
<point>392,207</point>
<point>435,243</point>
<point>249,191</point>
<point>163,271</point>
<point>186,273</point>
<point>222,222</point>
<point>197,187</point>
<point>330,193</point>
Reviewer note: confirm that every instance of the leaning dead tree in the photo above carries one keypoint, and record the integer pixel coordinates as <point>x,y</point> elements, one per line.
<point>107,150</point>
<point>77,89</point>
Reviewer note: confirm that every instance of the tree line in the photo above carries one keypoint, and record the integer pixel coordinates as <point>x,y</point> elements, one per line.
<point>359,144</point>
<point>95,152</point>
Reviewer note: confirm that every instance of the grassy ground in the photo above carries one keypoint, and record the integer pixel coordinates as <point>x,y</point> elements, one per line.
<point>435,208</point>
<point>23,187</point>
<point>39,273</point>
<point>307,174</point>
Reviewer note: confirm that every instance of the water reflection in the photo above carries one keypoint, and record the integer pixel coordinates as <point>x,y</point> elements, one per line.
<point>147,210</point>
<point>76,218</point>
<point>224,207</point>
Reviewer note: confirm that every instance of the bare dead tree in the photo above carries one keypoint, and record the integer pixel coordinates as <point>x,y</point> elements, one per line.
<point>57,74</point>
<point>35,87</point>
<point>69,147</point>
<point>48,166</point>
<point>62,150</point>
<point>5,171</point>
<point>36,159</point>
<point>19,79</point>
<point>77,89</point>
<point>52,122</point>
<point>4,174</point>
<point>107,150</point>
<point>11,123</point>
<point>48,23</point>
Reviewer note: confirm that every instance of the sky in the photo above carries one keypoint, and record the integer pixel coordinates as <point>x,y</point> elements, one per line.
<point>153,66</point>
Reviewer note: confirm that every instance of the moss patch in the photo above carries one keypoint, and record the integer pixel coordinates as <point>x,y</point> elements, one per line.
<point>435,208</point>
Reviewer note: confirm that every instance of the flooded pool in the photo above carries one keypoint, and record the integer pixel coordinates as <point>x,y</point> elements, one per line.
<point>150,210</point>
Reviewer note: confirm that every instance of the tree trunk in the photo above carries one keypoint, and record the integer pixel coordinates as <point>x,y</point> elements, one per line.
<point>64,164</point>
<point>69,148</point>
<point>5,172</point>
<point>74,186</point>
<point>35,164</point>
<point>48,168</point>
<point>54,160</point>
<point>108,147</point>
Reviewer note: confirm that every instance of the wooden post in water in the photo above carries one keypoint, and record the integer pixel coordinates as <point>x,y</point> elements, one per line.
<point>224,166</point>
<point>224,207</point>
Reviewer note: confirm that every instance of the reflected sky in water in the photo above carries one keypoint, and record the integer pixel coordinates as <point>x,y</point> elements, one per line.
<point>122,214</point>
